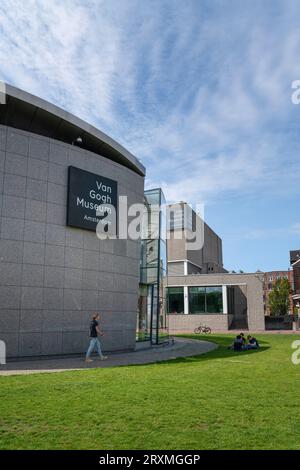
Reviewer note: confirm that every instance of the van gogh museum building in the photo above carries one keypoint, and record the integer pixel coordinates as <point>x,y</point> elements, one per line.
<point>55,170</point>
<point>60,179</point>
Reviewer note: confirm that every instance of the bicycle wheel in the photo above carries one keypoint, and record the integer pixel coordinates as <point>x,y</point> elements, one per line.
<point>207,330</point>
<point>197,330</point>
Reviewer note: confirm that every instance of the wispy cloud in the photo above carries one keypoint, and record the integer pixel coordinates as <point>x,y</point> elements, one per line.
<point>267,233</point>
<point>199,91</point>
<point>186,90</point>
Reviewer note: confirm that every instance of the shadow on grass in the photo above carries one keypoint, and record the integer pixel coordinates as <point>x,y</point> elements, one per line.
<point>221,352</point>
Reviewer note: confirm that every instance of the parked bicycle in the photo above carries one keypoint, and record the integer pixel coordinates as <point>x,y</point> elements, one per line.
<point>202,329</point>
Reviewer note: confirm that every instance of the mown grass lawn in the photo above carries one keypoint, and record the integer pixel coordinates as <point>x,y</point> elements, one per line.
<point>221,400</point>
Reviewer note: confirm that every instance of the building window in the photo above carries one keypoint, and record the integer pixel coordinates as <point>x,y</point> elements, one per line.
<point>205,300</point>
<point>271,278</point>
<point>175,300</point>
<point>197,300</point>
<point>214,300</point>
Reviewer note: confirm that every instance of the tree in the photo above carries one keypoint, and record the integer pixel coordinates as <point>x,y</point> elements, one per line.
<point>279,297</point>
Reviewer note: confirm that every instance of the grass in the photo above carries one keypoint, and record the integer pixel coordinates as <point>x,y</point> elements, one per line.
<point>221,400</point>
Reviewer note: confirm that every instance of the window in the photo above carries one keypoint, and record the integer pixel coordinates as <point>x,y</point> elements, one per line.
<point>214,300</point>
<point>205,300</point>
<point>197,300</point>
<point>175,300</point>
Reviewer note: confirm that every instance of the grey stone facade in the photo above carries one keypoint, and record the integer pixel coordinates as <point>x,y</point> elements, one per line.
<point>249,286</point>
<point>53,277</point>
<point>182,261</point>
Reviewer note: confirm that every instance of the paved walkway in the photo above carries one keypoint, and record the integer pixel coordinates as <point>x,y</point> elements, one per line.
<point>182,347</point>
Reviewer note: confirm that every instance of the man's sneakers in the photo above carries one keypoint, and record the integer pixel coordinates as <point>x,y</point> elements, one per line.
<point>101,358</point>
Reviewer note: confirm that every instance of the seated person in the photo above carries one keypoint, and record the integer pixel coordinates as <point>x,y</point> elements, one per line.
<point>243,338</point>
<point>252,342</point>
<point>237,344</point>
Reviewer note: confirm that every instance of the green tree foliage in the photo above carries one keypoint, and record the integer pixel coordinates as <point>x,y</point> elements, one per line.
<point>279,297</point>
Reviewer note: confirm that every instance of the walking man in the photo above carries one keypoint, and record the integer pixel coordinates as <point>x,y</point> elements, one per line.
<point>94,340</point>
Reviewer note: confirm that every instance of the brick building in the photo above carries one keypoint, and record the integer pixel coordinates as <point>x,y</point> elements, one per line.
<point>295,266</point>
<point>270,279</point>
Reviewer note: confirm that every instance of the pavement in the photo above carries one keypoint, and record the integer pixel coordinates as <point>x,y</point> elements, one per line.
<point>182,347</point>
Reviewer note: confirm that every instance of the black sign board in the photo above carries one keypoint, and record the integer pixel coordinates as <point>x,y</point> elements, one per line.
<point>86,192</point>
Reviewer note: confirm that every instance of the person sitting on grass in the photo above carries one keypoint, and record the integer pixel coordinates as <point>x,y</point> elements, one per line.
<point>237,344</point>
<point>252,342</point>
<point>243,338</point>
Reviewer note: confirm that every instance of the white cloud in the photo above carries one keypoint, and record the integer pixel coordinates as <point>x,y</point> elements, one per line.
<point>271,233</point>
<point>203,100</point>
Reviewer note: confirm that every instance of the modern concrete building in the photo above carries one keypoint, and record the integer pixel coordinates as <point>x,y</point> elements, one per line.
<point>199,289</point>
<point>54,271</point>
<point>182,260</point>
<point>222,301</point>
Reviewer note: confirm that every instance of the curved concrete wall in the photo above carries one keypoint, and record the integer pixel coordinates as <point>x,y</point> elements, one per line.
<point>53,277</point>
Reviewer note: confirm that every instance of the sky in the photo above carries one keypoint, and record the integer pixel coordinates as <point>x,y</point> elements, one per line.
<point>198,90</point>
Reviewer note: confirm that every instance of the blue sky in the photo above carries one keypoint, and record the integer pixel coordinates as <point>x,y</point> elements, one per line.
<point>200,91</point>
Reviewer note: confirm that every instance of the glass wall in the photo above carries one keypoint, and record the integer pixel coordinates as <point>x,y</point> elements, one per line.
<point>205,300</point>
<point>214,300</point>
<point>197,300</point>
<point>202,300</point>
<point>152,319</point>
<point>175,300</point>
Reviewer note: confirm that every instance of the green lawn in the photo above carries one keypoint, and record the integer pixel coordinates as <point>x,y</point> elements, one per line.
<point>221,400</point>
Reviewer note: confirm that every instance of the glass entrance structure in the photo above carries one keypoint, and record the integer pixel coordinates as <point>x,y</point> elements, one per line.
<point>152,319</point>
